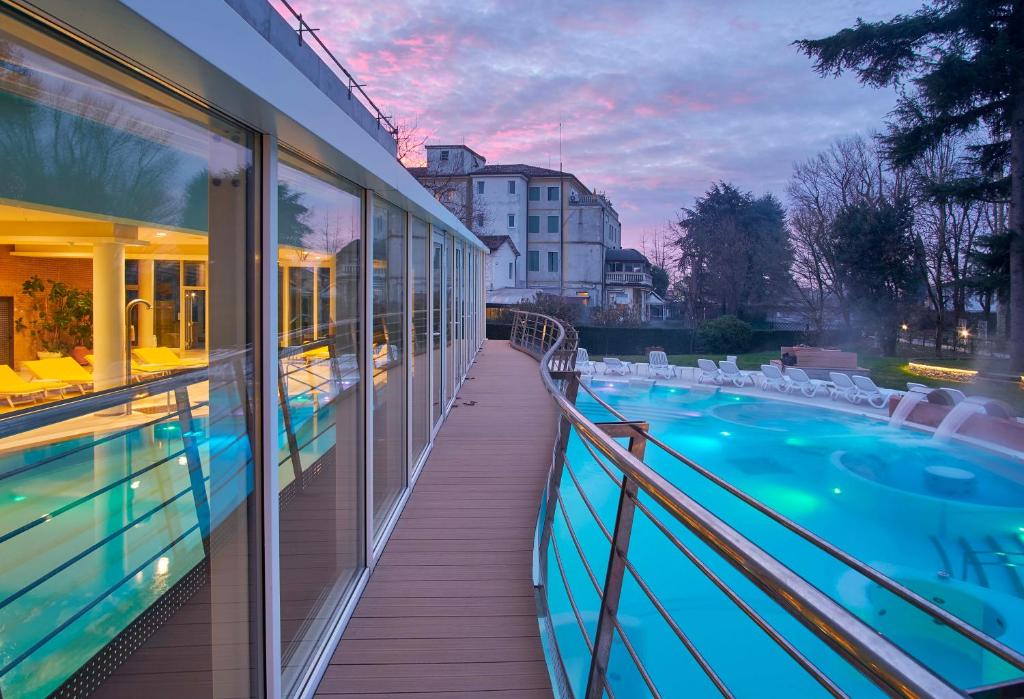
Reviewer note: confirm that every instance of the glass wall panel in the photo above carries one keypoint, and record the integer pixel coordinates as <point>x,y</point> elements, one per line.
<point>321,415</point>
<point>420,322</point>
<point>449,339</point>
<point>389,390</point>
<point>437,324</point>
<point>129,517</point>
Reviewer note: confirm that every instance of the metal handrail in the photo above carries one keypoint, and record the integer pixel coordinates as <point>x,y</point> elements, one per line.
<point>304,28</point>
<point>875,657</point>
<point>990,644</point>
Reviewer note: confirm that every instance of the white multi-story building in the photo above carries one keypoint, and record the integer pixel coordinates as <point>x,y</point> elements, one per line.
<point>558,232</point>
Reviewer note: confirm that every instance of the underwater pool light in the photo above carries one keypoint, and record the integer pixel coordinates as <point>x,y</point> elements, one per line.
<point>182,461</point>
<point>725,434</point>
<point>837,491</point>
<point>17,498</point>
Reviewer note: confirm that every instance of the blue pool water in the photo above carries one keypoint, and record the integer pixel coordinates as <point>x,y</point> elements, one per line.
<point>871,489</point>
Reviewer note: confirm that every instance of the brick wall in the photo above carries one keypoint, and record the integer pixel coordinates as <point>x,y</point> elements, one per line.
<point>15,270</point>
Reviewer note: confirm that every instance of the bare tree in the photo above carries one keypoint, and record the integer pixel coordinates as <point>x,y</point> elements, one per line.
<point>658,246</point>
<point>851,171</point>
<point>410,139</point>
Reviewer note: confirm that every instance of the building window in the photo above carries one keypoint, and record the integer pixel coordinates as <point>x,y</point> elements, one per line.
<point>511,186</point>
<point>552,261</point>
<point>552,193</point>
<point>552,224</point>
<point>444,156</point>
<point>534,193</point>
<point>533,261</point>
<point>480,186</point>
<point>511,220</point>
<point>533,224</point>
<point>509,270</point>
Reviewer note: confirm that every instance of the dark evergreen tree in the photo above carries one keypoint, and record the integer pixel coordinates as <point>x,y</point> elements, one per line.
<point>735,253</point>
<point>878,253</point>
<point>960,67</point>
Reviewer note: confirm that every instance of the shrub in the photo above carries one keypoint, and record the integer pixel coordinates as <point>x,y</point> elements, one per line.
<point>725,335</point>
<point>553,305</point>
<point>615,317</point>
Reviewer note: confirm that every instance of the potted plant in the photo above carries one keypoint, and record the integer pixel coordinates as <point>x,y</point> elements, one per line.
<point>56,316</point>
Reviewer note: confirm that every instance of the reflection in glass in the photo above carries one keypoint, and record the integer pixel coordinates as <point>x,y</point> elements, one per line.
<point>128,533</point>
<point>389,390</point>
<point>319,409</point>
<point>420,368</point>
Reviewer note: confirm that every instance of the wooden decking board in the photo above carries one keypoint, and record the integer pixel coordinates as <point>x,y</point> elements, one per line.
<point>449,612</point>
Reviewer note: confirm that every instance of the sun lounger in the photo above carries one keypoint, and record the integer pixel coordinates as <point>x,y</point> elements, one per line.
<point>799,380</point>
<point>870,392</point>
<point>583,363</point>
<point>774,378</point>
<point>708,372</point>
<point>731,372</point>
<point>166,356</point>
<point>657,365</point>
<point>61,370</point>
<point>139,370</point>
<point>842,387</point>
<point>614,365</point>
<point>14,387</point>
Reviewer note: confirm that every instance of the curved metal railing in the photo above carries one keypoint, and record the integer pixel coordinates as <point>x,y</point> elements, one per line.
<point>873,656</point>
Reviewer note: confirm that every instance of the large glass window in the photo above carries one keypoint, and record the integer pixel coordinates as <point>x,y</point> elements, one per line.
<point>389,389</point>
<point>320,411</point>
<point>420,392</point>
<point>129,526</point>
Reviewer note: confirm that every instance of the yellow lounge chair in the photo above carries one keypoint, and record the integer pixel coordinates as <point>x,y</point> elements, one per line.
<point>13,386</point>
<point>166,357</point>
<point>63,369</point>
<point>140,371</point>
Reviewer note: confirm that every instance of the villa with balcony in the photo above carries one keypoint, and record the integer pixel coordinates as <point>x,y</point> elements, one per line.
<point>254,442</point>
<point>627,280</point>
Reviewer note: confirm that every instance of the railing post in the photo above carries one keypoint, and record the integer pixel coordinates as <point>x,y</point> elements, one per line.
<point>612,590</point>
<point>289,431</point>
<point>195,466</point>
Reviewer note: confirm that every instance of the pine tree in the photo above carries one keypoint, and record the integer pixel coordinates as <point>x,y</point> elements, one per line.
<point>959,65</point>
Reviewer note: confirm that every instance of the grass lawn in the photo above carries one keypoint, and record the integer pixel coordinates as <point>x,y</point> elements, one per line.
<point>889,372</point>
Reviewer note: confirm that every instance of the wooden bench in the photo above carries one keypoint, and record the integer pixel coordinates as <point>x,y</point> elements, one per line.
<point>818,362</point>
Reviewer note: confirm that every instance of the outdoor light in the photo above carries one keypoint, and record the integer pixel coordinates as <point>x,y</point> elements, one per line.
<point>135,485</point>
<point>964,332</point>
<point>163,565</point>
<point>904,327</point>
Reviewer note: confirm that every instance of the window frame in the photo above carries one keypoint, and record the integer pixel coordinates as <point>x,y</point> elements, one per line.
<point>557,224</point>
<point>533,260</point>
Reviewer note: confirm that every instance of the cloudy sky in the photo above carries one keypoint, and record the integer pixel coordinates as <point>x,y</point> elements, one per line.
<point>657,99</point>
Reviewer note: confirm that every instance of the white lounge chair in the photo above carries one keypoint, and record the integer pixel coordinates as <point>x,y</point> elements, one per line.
<point>657,365</point>
<point>708,371</point>
<point>774,378</point>
<point>731,372</point>
<point>870,392</point>
<point>842,387</point>
<point>614,365</point>
<point>799,380</point>
<point>583,363</point>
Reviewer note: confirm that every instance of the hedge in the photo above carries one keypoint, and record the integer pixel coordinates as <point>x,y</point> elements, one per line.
<point>633,341</point>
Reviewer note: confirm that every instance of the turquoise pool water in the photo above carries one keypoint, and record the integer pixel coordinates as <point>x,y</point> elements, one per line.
<point>884,494</point>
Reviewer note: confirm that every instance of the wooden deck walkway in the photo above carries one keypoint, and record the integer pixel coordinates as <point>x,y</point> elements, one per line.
<point>449,611</point>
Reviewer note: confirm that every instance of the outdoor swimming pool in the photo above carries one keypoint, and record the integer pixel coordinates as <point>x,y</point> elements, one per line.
<point>944,519</point>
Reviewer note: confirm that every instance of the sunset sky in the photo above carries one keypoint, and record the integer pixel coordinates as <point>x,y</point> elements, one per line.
<point>656,99</point>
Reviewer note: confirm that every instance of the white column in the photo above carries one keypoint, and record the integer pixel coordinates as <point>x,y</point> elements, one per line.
<point>146,290</point>
<point>108,336</point>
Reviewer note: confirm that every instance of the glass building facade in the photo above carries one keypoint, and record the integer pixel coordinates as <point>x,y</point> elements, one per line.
<point>226,362</point>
